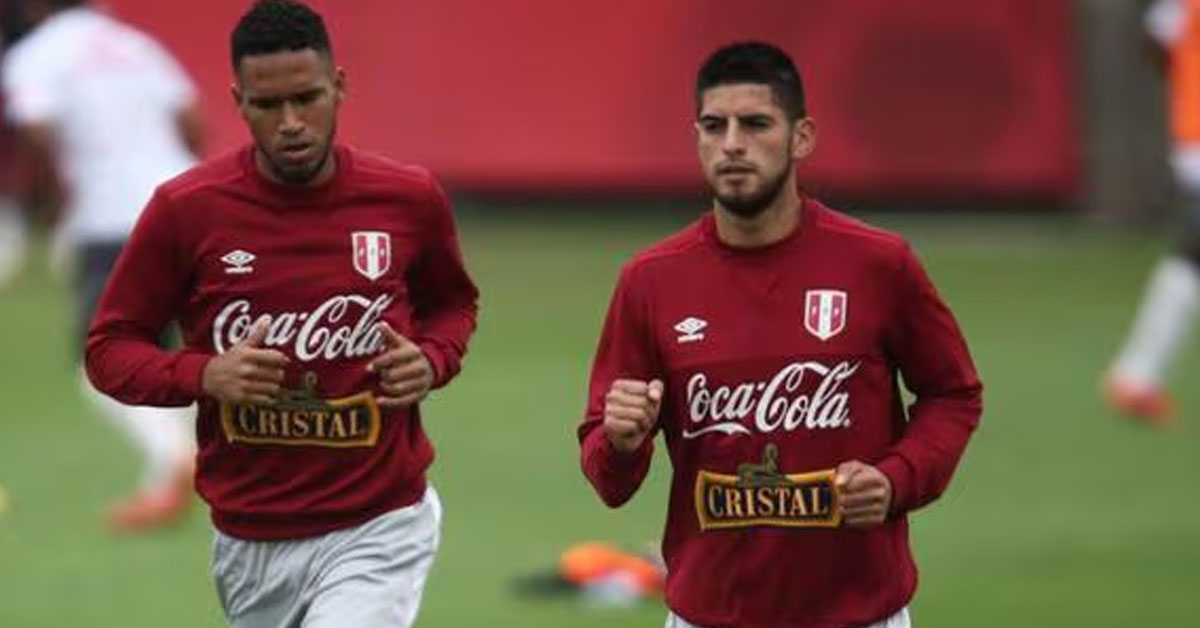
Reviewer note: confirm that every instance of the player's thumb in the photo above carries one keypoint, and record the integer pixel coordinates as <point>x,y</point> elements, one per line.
<point>846,472</point>
<point>258,333</point>
<point>391,337</point>
<point>655,391</point>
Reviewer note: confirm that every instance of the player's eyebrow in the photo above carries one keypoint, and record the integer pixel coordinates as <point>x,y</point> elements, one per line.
<point>754,118</point>
<point>265,102</point>
<point>304,96</point>
<point>308,94</point>
<point>750,119</point>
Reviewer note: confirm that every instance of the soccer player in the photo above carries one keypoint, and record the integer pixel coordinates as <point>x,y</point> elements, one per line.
<point>322,295</point>
<point>766,342</point>
<point>1135,384</point>
<point>105,115</point>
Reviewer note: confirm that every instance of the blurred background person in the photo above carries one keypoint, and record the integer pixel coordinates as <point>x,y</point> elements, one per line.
<point>104,114</point>
<point>1136,384</point>
<point>12,224</point>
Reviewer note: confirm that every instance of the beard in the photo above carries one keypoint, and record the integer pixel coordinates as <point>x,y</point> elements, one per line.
<point>750,206</point>
<point>300,174</point>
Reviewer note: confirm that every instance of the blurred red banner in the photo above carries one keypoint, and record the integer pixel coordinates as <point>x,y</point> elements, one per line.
<point>912,99</point>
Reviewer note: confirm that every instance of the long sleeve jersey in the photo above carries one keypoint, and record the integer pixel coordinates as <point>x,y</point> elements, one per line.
<point>779,364</point>
<point>222,246</point>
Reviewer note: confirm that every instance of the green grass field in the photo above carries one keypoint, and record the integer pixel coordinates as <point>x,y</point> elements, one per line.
<point>1061,514</point>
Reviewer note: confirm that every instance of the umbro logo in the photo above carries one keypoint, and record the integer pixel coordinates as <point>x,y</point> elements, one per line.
<point>690,329</point>
<point>238,262</point>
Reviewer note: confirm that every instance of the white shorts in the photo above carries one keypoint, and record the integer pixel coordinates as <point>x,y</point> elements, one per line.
<point>368,576</point>
<point>899,620</point>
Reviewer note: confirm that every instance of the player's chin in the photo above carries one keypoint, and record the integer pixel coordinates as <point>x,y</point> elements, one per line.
<point>738,196</point>
<point>296,172</point>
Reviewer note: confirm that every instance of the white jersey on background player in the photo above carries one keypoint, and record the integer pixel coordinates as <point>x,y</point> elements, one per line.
<point>112,96</point>
<point>113,114</point>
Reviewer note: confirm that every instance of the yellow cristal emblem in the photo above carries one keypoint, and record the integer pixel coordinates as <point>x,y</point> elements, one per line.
<point>302,417</point>
<point>760,495</point>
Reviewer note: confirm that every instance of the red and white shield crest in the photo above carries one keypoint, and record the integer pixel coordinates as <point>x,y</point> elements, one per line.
<point>372,252</point>
<point>825,312</point>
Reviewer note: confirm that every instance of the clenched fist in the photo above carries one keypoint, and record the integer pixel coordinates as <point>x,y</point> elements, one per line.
<point>247,373</point>
<point>866,494</point>
<point>631,411</point>
<point>405,375</point>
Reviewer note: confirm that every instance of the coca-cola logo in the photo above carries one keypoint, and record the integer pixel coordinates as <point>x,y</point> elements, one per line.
<point>780,403</point>
<point>344,326</point>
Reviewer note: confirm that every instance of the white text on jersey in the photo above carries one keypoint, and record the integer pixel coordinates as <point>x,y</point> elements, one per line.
<point>774,404</point>
<point>328,332</point>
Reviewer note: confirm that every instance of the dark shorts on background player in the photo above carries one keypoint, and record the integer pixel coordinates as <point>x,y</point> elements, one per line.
<point>93,265</point>
<point>92,268</point>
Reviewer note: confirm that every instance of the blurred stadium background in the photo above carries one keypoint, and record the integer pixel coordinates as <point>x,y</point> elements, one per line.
<point>1014,141</point>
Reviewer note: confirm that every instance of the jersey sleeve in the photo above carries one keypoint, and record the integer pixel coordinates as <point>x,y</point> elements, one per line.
<point>445,299</point>
<point>144,292</point>
<point>625,351</point>
<point>932,357</point>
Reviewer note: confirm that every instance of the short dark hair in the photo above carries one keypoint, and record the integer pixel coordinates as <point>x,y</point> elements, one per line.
<point>754,62</point>
<point>278,26</point>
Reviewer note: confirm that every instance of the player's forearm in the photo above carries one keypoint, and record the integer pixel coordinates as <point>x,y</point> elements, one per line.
<point>135,371</point>
<point>936,365</point>
<point>443,340</point>
<point>144,293</point>
<point>615,475</point>
<point>445,306</point>
<point>922,463</point>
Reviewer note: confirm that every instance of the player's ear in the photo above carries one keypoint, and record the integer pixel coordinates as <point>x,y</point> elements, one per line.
<point>236,93</point>
<point>804,138</point>
<point>339,84</point>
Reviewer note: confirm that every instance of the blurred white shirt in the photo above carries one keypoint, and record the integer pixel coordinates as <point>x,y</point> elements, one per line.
<point>112,95</point>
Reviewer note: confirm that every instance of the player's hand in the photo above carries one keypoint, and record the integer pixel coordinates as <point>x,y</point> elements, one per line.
<point>865,492</point>
<point>247,373</point>
<point>405,375</point>
<point>631,411</point>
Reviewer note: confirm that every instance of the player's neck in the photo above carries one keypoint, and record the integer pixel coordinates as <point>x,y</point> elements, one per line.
<point>775,223</point>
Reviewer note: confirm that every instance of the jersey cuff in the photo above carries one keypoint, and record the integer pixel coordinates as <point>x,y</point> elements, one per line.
<point>616,459</point>
<point>900,474</point>
<point>437,362</point>
<point>189,373</point>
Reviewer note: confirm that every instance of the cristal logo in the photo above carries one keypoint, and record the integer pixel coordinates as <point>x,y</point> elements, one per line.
<point>777,404</point>
<point>344,326</point>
